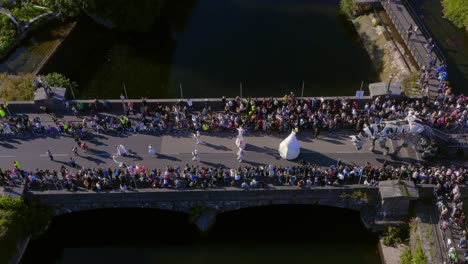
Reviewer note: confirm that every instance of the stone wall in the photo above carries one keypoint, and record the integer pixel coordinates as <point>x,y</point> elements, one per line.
<point>219,200</point>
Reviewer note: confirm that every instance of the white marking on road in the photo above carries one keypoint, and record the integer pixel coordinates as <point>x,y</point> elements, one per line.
<point>7,156</point>
<point>54,155</point>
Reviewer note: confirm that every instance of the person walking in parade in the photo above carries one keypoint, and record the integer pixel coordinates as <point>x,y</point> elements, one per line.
<point>240,154</point>
<point>197,136</point>
<point>195,156</point>
<point>49,153</point>
<point>75,150</point>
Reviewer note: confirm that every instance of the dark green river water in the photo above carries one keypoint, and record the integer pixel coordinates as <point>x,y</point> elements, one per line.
<point>271,235</point>
<point>211,46</point>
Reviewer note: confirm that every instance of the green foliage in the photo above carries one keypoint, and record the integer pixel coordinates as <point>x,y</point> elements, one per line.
<point>18,88</point>
<point>350,8</point>
<point>347,7</point>
<point>410,84</point>
<point>418,255</point>
<point>18,219</point>
<point>356,195</point>
<point>8,34</point>
<point>406,257</point>
<point>65,8</point>
<point>59,80</point>
<point>27,12</point>
<point>457,12</point>
<point>395,236</point>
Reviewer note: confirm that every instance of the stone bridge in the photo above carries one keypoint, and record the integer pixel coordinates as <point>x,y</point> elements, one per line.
<point>203,205</point>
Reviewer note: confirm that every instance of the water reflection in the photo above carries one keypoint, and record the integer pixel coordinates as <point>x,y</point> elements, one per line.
<point>211,46</point>
<point>275,234</point>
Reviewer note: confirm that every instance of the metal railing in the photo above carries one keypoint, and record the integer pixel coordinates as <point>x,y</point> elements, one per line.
<point>420,56</point>
<point>423,29</point>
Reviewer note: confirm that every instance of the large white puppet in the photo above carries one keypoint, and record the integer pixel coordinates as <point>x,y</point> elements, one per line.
<point>290,148</point>
<point>240,142</point>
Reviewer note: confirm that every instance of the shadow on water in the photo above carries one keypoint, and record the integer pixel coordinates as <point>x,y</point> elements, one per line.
<point>272,234</point>
<point>210,46</point>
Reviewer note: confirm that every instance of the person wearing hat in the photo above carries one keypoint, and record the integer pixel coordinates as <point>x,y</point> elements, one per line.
<point>197,136</point>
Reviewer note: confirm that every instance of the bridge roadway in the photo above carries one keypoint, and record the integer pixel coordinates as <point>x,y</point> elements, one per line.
<point>216,149</point>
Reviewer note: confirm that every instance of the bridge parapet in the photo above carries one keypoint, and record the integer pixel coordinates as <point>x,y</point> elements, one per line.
<point>219,200</point>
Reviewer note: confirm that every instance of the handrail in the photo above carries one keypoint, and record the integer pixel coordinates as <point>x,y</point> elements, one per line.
<point>423,28</point>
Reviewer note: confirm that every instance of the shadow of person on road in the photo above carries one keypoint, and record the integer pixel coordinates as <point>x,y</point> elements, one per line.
<point>162,156</point>
<point>92,159</point>
<point>217,147</point>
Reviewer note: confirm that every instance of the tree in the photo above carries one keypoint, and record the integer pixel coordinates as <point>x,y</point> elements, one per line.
<point>457,12</point>
<point>59,80</point>
<point>66,8</point>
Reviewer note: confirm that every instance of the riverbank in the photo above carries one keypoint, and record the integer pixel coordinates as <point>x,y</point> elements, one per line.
<point>34,52</point>
<point>387,56</point>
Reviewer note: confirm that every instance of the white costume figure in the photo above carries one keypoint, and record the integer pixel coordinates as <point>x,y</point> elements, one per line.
<point>406,129</point>
<point>197,136</point>
<point>195,156</point>
<point>121,150</point>
<point>290,148</point>
<point>121,164</point>
<point>240,142</point>
<point>240,154</point>
<point>151,151</point>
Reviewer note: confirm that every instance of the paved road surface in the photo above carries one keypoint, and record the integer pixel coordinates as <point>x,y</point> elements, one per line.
<point>215,150</point>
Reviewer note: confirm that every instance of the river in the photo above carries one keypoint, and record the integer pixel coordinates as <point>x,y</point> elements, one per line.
<point>275,234</point>
<point>269,46</point>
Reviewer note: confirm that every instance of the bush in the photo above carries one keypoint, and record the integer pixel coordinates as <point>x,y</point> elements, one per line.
<point>395,236</point>
<point>18,88</point>
<point>59,80</point>
<point>65,8</point>
<point>27,12</point>
<point>347,7</point>
<point>18,219</point>
<point>457,12</point>
<point>406,257</point>
<point>350,8</point>
<point>411,82</point>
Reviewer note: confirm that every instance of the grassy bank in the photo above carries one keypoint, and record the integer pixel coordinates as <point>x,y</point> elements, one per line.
<point>385,57</point>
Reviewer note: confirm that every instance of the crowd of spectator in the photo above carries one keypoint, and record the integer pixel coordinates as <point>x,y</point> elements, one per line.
<point>246,177</point>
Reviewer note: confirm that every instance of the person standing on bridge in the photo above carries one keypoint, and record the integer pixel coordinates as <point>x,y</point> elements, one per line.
<point>409,32</point>
<point>49,153</point>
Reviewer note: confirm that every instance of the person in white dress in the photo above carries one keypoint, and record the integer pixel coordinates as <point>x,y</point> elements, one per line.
<point>195,156</point>
<point>151,150</point>
<point>197,136</point>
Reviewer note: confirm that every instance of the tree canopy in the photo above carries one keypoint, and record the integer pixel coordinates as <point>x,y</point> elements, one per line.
<point>457,12</point>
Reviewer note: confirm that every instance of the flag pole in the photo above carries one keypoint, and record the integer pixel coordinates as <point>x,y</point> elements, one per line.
<point>302,94</point>
<point>241,90</point>
<point>125,90</point>
<point>181,93</point>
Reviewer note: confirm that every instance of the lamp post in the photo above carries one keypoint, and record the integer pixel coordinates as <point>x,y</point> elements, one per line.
<point>389,81</point>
